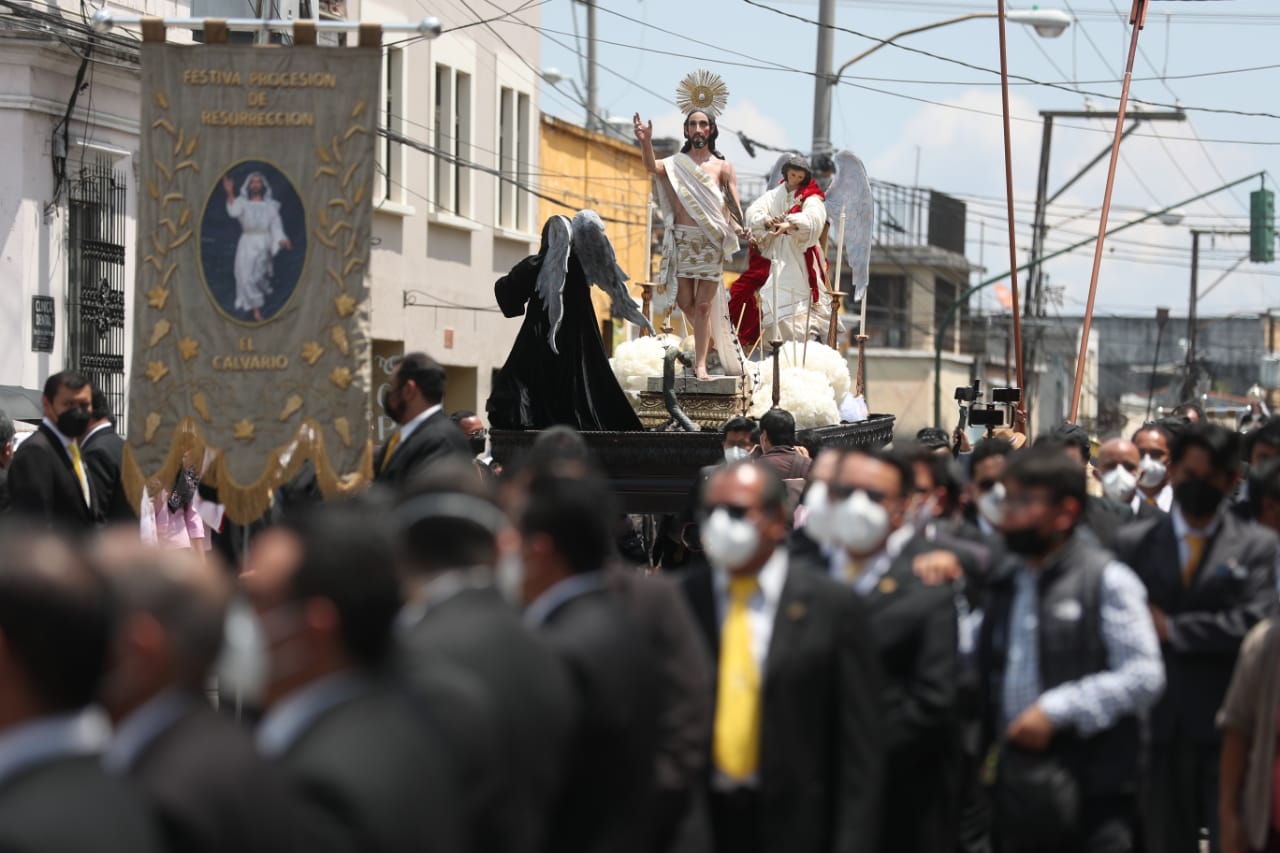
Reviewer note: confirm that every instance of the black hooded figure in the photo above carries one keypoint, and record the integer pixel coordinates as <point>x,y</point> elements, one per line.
<point>558,372</point>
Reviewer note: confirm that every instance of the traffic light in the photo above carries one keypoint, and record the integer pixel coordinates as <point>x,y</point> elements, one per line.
<point>1262,226</point>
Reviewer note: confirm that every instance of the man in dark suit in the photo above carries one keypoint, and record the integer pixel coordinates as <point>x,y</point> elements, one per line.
<point>414,400</point>
<point>102,448</point>
<point>915,631</point>
<point>1117,469</point>
<point>54,638</point>
<point>196,769</point>
<point>48,479</point>
<point>565,524</point>
<point>1261,445</point>
<point>7,433</point>
<point>367,771</point>
<point>448,528</point>
<point>798,730</point>
<point>1210,578</point>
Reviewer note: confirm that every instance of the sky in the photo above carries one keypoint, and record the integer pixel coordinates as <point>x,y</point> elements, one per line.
<point>920,119</point>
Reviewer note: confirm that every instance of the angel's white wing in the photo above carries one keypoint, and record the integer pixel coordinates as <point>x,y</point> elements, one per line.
<point>555,266</point>
<point>851,191</point>
<point>594,252</point>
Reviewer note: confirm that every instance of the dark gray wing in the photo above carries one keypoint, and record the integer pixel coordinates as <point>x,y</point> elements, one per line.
<point>555,266</point>
<point>594,252</point>
<point>851,191</point>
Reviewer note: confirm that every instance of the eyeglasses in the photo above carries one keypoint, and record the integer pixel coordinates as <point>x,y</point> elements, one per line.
<point>839,493</point>
<point>735,512</point>
<point>478,433</point>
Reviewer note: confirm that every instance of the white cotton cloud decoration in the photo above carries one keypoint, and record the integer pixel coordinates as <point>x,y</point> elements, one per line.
<point>636,360</point>
<point>821,358</point>
<point>806,394</point>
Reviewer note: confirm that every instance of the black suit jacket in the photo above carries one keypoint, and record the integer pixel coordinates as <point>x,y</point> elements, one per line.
<point>43,484</point>
<point>1232,590</point>
<point>915,631</point>
<point>210,792</point>
<point>69,805</point>
<point>436,438</point>
<point>1147,511</point>
<point>607,800</point>
<point>821,748</point>
<point>369,777</point>
<point>528,698</point>
<point>102,453</point>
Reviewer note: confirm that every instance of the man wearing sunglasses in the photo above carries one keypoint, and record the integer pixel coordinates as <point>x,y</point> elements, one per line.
<point>873,500</point>
<point>797,732</point>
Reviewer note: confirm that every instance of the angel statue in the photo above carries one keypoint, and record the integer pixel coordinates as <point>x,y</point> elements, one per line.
<point>790,240</point>
<point>557,371</point>
<point>702,221</point>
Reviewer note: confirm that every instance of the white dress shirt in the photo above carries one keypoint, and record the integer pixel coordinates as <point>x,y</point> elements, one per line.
<point>1181,528</point>
<point>293,716</point>
<point>147,722</point>
<point>66,448</point>
<point>411,427</point>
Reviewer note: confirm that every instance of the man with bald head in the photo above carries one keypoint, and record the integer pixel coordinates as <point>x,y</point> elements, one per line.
<point>1118,468</point>
<point>54,633</point>
<point>796,737</point>
<point>196,769</point>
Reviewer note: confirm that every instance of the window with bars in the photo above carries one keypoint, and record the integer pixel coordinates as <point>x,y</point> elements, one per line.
<point>451,192</point>
<point>95,278</point>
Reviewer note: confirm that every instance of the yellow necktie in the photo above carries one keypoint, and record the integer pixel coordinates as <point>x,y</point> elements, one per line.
<point>1149,500</point>
<point>853,569</point>
<point>1195,551</point>
<point>737,724</point>
<point>391,448</point>
<point>78,464</point>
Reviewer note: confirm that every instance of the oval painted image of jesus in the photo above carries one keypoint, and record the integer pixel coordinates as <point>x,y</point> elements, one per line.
<point>252,242</point>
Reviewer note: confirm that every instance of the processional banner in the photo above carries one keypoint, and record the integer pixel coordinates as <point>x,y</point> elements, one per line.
<point>251,325</point>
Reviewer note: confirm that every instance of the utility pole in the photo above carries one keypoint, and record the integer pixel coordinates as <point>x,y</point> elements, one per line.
<point>1034,300</point>
<point>823,83</point>
<point>593,123</point>
<point>1189,386</point>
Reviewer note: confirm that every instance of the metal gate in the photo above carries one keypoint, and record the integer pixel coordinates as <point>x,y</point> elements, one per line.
<point>95,279</point>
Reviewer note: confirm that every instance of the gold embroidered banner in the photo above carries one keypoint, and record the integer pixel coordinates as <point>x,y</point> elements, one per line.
<point>251,326</point>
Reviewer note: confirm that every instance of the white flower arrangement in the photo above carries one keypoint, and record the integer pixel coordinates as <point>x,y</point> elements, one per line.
<point>636,360</point>
<point>821,358</point>
<point>805,393</point>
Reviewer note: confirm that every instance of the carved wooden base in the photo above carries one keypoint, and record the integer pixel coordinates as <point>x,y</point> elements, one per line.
<point>708,402</point>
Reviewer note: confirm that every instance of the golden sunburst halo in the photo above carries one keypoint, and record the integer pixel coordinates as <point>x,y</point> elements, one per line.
<point>702,90</point>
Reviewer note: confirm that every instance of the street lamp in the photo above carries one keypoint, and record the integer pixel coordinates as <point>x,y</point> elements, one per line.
<point>1047,23</point>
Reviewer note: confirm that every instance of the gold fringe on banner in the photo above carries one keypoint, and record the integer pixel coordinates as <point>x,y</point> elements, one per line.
<point>246,503</point>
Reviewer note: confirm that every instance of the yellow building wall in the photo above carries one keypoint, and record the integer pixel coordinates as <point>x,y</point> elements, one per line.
<point>583,169</point>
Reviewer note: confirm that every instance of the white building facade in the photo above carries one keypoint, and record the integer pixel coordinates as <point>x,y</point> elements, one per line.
<point>461,109</point>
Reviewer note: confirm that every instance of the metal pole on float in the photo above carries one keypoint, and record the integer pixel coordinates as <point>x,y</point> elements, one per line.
<point>1019,423</point>
<point>1137,19</point>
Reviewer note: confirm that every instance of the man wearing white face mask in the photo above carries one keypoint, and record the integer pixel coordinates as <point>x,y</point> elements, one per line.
<point>1118,468</point>
<point>916,635</point>
<point>796,743</point>
<point>1152,441</point>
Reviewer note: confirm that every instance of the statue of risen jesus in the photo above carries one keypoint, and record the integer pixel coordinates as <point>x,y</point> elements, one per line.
<point>703,221</point>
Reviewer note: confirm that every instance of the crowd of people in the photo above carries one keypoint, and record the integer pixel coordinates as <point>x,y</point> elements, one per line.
<point>1034,649</point>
